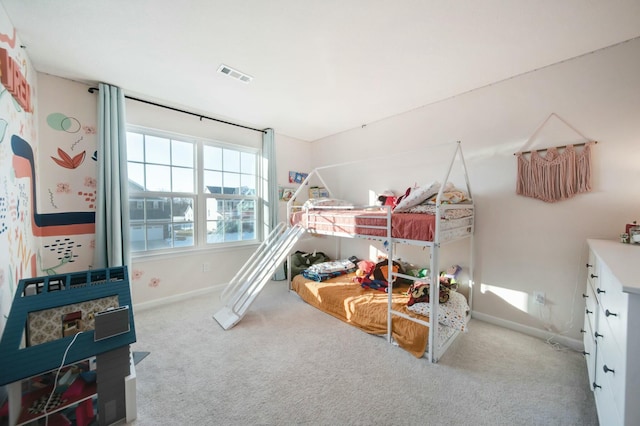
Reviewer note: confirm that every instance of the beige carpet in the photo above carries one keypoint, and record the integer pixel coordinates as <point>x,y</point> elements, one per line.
<point>287,363</point>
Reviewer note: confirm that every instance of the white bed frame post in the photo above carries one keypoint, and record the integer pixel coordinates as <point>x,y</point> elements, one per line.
<point>434,288</point>
<point>390,277</point>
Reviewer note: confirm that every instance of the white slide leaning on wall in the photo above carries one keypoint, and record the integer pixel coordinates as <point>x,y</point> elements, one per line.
<point>251,278</point>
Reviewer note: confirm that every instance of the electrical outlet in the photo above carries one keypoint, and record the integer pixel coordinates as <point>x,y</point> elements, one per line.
<point>538,297</point>
<point>206,266</point>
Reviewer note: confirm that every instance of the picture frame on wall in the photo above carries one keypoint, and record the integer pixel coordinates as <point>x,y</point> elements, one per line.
<point>286,193</point>
<point>297,177</point>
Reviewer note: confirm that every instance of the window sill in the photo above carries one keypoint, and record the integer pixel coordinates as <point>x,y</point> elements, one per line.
<point>160,255</point>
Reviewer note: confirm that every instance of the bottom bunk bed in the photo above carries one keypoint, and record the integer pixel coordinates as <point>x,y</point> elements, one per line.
<point>367,309</point>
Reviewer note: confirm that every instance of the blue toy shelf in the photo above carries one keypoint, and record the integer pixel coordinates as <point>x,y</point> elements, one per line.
<point>41,293</point>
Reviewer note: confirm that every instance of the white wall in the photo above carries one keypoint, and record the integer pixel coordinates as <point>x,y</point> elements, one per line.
<point>522,245</point>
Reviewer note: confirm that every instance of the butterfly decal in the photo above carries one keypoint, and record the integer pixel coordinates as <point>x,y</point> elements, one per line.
<point>67,162</point>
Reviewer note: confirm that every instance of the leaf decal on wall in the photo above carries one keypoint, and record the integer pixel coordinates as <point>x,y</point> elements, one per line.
<point>67,162</point>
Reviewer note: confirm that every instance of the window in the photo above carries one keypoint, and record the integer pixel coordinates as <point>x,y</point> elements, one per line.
<point>189,193</point>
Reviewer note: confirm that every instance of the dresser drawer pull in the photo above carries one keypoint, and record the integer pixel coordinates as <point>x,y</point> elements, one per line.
<point>609,313</point>
<point>589,266</point>
<point>593,276</point>
<point>600,291</point>
<point>596,334</point>
<point>596,386</point>
<point>584,295</point>
<point>588,311</point>
<point>585,353</point>
<point>582,330</point>
<point>608,370</point>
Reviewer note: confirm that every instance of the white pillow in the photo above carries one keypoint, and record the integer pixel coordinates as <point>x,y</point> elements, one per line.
<point>417,196</point>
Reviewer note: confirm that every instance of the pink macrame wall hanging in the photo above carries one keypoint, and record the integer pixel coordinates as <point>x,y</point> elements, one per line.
<point>557,175</point>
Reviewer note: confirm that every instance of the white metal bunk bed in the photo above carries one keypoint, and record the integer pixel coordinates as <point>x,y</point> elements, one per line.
<point>385,232</point>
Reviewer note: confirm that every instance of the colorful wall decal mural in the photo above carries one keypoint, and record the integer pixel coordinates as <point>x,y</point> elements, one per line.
<point>47,224</point>
<point>59,121</point>
<point>67,161</point>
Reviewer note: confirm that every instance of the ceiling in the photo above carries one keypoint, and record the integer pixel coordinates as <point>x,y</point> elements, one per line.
<point>319,67</point>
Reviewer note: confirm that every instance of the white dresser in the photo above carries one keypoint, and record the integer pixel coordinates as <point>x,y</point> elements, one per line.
<point>612,330</point>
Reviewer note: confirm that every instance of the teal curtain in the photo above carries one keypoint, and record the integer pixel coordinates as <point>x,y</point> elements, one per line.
<point>271,180</point>
<point>112,197</point>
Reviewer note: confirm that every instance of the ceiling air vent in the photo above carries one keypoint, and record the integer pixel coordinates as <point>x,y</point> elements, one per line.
<point>233,73</point>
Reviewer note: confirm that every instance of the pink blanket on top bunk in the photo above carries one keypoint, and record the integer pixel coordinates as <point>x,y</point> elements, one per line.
<point>410,226</point>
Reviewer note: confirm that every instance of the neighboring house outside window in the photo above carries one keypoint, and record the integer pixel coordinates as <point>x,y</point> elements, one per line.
<point>190,193</point>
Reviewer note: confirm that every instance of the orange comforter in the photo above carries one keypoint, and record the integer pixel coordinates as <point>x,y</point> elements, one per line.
<point>365,309</point>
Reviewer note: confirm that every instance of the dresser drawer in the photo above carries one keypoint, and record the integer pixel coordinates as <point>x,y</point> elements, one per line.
<point>589,350</point>
<point>606,406</point>
<point>590,307</point>
<point>613,307</point>
<point>593,270</point>
<point>608,409</point>
<point>611,366</point>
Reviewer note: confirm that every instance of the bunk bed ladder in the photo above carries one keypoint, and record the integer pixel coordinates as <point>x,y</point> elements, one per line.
<point>251,278</point>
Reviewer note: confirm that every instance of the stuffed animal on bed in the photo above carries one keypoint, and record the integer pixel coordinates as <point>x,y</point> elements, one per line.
<point>419,291</point>
<point>364,276</point>
<point>387,198</point>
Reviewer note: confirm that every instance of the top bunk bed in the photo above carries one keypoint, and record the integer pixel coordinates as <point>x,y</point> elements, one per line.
<point>424,215</point>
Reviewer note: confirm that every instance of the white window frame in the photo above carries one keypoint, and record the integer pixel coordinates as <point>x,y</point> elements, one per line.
<point>200,196</point>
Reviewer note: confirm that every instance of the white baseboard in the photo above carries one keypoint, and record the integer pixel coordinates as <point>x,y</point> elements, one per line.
<point>138,307</point>
<point>574,344</point>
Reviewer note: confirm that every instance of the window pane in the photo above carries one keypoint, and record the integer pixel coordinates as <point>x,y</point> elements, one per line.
<point>212,157</point>
<point>214,232</point>
<point>158,236</point>
<point>231,183</point>
<point>214,209</point>
<point>136,209</point>
<point>215,222</point>
<point>248,216</point>
<point>136,176</point>
<point>247,184</point>
<point>137,237</point>
<point>135,147</point>
<point>157,150</point>
<point>232,230</point>
<point>182,154</point>
<point>158,209</point>
<point>182,179</point>
<point>213,182</point>
<point>182,209</point>
<point>248,230</point>
<point>248,163</point>
<point>158,178</point>
<point>183,234</point>
<point>231,160</point>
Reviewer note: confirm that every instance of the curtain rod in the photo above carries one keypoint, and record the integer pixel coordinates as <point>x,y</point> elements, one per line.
<point>94,89</point>
<point>557,147</point>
